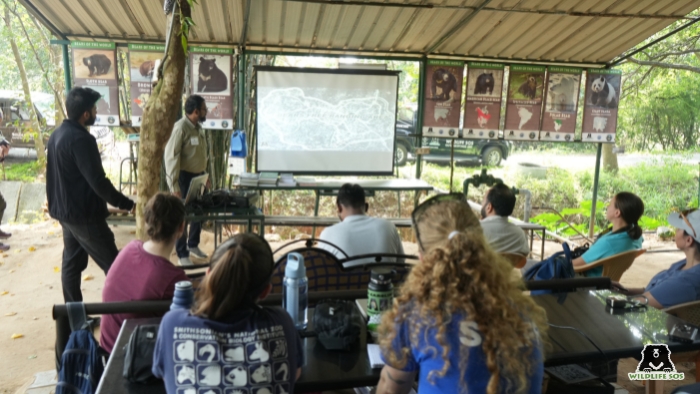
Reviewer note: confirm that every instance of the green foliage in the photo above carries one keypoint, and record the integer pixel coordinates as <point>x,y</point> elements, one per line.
<point>23,172</point>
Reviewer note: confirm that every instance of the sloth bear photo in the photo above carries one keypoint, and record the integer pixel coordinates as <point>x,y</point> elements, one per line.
<point>447,83</point>
<point>529,87</point>
<point>98,64</point>
<point>211,78</point>
<point>484,84</point>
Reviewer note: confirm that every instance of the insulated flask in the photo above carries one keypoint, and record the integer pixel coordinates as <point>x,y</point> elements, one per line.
<point>184,295</point>
<point>380,293</point>
<point>295,298</point>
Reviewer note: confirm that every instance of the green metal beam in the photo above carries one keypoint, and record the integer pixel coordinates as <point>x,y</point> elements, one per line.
<point>66,68</point>
<point>421,109</point>
<point>596,177</point>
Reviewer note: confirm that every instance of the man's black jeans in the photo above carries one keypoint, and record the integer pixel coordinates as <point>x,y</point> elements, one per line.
<point>191,241</point>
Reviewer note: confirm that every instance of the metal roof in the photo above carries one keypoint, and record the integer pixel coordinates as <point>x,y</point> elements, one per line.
<point>561,31</point>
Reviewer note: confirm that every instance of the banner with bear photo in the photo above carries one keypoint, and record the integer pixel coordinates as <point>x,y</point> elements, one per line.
<point>144,60</point>
<point>94,67</point>
<point>443,98</point>
<point>211,78</point>
<point>561,104</point>
<point>482,113</point>
<point>600,109</point>
<point>524,104</point>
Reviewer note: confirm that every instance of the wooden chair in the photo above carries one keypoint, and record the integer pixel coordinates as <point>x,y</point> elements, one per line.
<point>518,260</point>
<point>613,266</point>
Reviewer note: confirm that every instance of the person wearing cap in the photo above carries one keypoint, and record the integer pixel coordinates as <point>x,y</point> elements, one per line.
<point>4,151</point>
<point>681,282</point>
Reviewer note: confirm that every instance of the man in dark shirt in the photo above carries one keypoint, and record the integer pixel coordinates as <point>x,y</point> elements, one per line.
<point>77,190</point>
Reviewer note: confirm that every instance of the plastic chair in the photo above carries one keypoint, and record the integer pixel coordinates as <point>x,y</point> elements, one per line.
<point>397,262</point>
<point>613,266</point>
<point>517,260</point>
<point>690,312</point>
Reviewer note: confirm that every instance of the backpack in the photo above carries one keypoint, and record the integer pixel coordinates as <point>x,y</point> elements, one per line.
<point>81,362</point>
<point>556,266</point>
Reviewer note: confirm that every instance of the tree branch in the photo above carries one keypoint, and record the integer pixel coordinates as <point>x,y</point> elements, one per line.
<point>664,65</point>
<point>678,53</point>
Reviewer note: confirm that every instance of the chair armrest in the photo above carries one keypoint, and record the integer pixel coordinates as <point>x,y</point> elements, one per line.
<point>584,268</point>
<point>676,308</point>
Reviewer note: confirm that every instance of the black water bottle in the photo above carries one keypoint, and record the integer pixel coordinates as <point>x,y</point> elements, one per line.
<point>184,295</point>
<point>380,294</point>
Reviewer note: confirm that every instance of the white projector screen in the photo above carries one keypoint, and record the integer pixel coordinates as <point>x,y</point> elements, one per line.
<point>326,121</point>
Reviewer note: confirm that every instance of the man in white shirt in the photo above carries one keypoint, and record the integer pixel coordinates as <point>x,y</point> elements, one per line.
<point>503,236</point>
<point>357,233</point>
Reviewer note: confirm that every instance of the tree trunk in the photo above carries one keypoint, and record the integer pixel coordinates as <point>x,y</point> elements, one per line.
<point>159,116</point>
<point>35,128</point>
<point>609,158</point>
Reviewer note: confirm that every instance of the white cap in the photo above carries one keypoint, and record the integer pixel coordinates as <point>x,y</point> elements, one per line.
<point>676,220</point>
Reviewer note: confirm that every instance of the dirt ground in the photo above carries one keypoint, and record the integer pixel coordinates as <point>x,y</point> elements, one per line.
<point>30,283</point>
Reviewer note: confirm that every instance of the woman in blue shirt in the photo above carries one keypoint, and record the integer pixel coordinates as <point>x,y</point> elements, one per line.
<point>623,212</point>
<point>461,322</point>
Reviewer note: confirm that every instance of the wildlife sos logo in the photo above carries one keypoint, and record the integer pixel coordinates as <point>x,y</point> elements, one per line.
<point>656,364</point>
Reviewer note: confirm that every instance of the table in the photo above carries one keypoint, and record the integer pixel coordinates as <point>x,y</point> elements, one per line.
<point>618,336</point>
<point>532,227</point>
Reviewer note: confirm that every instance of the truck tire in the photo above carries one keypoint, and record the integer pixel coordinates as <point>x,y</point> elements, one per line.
<point>491,156</point>
<point>401,154</point>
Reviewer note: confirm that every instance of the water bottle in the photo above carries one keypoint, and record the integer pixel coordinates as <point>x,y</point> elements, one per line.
<point>380,294</point>
<point>184,295</point>
<point>295,291</point>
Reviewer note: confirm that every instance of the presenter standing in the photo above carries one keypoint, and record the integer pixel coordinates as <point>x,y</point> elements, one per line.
<point>186,158</point>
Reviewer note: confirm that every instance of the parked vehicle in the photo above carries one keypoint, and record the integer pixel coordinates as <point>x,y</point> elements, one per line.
<point>16,115</point>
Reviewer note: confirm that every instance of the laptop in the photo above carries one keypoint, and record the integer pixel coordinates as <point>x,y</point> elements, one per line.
<point>197,186</point>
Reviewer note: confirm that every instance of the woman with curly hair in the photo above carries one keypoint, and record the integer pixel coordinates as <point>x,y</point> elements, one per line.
<point>461,320</point>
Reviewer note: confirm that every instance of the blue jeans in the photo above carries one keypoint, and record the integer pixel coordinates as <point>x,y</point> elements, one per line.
<point>195,228</point>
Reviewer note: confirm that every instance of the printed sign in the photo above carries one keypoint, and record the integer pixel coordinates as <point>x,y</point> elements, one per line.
<point>144,60</point>
<point>482,112</point>
<point>524,105</point>
<point>600,109</point>
<point>561,104</point>
<point>94,67</point>
<point>211,79</point>
<point>443,98</point>
<point>656,364</point>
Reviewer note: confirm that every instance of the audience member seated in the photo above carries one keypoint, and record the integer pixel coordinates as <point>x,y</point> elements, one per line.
<point>503,236</point>
<point>461,322</point>
<point>142,270</point>
<point>623,211</point>
<point>680,283</point>
<point>357,233</point>
<point>227,339</point>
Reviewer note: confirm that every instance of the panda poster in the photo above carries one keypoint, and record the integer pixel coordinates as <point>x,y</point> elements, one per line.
<point>211,78</point>
<point>561,104</point>
<point>600,109</point>
<point>443,98</point>
<point>524,104</point>
<point>482,113</point>
<point>143,61</point>
<point>94,67</point>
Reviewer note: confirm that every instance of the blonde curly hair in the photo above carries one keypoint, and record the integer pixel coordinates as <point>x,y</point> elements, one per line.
<point>462,274</point>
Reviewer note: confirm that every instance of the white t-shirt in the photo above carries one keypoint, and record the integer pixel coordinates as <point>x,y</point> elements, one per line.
<point>362,234</point>
<point>504,237</point>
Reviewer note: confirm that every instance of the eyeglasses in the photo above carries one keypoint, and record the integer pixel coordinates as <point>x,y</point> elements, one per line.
<point>684,216</point>
<point>422,208</point>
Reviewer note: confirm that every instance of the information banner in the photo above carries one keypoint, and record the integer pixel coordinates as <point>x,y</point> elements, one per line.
<point>94,67</point>
<point>524,104</point>
<point>443,98</point>
<point>144,60</point>
<point>211,78</point>
<point>482,112</point>
<point>600,109</point>
<point>561,104</point>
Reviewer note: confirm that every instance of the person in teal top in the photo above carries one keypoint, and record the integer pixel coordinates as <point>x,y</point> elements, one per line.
<point>623,212</point>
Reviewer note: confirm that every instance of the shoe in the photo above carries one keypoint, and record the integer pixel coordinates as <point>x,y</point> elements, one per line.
<point>185,262</point>
<point>4,235</point>
<point>197,252</point>
<point>4,247</point>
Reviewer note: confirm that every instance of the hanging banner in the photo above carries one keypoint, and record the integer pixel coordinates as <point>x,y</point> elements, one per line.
<point>561,104</point>
<point>144,60</point>
<point>600,109</point>
<point>482,113</point>
<point>211,78</point>
<point>94,67</point>
<point>443,98</point>
<point>524,104</point>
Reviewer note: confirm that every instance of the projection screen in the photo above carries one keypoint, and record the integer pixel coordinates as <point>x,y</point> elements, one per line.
<point>326,121</point>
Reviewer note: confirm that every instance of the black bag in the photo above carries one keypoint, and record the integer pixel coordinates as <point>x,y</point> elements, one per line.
<point>577,252</point>
<point>337,323</point>
<point>139,354</point>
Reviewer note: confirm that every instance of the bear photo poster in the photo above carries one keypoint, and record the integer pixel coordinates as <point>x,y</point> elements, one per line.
<point>443,98</point>
<point>524,104</point>
<point>143,62</point>
<point>561,104</point>
<point>94,67</point>
<point>482,114</point>
<point>600,107</point>
<point>210,76</point>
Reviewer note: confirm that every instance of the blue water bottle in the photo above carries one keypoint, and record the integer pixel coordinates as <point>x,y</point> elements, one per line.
<point>184,295</point>
<point>295,298</point>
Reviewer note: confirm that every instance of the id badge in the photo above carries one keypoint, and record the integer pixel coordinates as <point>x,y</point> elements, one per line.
<point>194,141</point>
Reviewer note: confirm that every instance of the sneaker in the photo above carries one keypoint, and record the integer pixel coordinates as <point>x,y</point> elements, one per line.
<point>4,247</point>
<point>4,235</point>
<point>197,252</point>
<point>185,262</point>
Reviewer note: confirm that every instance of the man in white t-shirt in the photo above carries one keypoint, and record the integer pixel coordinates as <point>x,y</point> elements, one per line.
<point>357,233</point>
<point>503,236</point>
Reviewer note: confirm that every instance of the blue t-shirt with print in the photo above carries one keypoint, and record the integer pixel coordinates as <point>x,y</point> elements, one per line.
<point>608,245</point>
<point>674,286</point>
<point>256,351</point>
<point>426,356</point>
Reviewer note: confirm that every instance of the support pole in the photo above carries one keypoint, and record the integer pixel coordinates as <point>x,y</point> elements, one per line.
<point>452,163</point>
<point>240,119</point>
<point>66,68</point>
<point>418,129</point>
<point>596,176</point>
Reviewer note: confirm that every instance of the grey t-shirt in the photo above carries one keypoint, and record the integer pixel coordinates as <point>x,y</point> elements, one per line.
<point>504,237</point>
